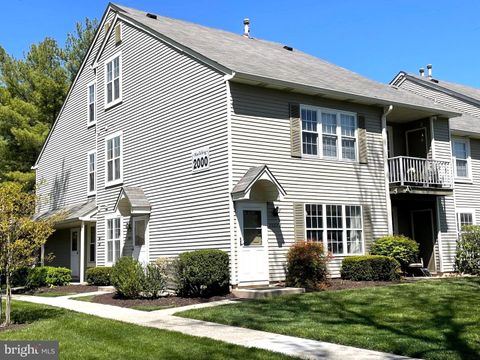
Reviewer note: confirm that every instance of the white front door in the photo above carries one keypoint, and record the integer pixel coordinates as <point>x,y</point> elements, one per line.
<point>75,252</point>
<point>140,239</point>
<point>253,243</point>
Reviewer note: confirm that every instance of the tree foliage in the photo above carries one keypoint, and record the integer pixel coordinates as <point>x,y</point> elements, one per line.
<point>21,237</point>
<point>32,91</point>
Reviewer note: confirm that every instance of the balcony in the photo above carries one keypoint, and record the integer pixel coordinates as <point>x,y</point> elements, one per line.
<point>421,176</point>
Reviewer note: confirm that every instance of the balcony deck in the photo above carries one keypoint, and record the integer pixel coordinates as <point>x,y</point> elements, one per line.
<point>420,176</point>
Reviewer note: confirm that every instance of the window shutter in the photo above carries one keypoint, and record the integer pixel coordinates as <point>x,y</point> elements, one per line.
<point>295,131</point>
<point>367,227</point>
<point>118,34</point>
<point>362,140</point>
<point>299,221</point>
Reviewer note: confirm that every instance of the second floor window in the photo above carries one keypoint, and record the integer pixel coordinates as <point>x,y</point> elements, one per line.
<point>91,104</point>
<point>92,172</point>
<point>460,151</point>
<point>329,134</point>
<point>113,81</point>
<point>114,159</point>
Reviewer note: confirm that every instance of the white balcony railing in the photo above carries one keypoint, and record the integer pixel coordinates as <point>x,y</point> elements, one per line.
<point>404,170</point>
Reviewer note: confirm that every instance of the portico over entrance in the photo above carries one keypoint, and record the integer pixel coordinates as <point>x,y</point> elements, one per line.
<point>251,194</point>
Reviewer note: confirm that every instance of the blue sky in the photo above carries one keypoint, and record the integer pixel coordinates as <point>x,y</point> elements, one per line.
<point>375,38</point>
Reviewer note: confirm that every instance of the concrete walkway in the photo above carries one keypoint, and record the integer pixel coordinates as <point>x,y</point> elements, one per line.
<point>164,319</point>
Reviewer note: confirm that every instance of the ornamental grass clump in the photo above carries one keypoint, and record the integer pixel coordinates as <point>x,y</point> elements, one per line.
<point>307,265</point>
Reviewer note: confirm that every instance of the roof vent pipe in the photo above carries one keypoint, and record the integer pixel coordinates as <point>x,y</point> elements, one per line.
<point>246,27</point>
<point>422,72</point>
<point>429,68</point>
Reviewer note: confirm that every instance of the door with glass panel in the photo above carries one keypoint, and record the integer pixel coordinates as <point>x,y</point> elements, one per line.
<point>140,240</point>
<point>75,252</point>
<point>253,243</point>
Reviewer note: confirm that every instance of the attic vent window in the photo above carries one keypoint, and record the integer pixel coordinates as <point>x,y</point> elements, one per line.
<point>151,16</point>
<point>289,48</point>
<point>118,34</point>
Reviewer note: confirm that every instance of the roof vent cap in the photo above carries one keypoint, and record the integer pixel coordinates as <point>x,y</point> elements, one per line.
<point>246,27</point>
<point>422,72</point>
<point>289,48</point>
<point>429,68</point>
<point>151,16</point>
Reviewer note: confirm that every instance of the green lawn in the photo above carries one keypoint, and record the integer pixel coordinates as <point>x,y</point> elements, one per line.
<point>89,337</point>
<point>55,294</point>
<point>438,319</point>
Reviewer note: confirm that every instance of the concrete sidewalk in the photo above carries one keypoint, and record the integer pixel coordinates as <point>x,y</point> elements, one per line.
<point>164,319</point>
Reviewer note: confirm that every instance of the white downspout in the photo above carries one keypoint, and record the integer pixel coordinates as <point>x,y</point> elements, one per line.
<point>231,206</point>
<point>386,111</point>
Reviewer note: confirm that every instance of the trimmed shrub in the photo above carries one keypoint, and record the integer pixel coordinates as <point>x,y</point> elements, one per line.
<point>37,277</point>
<point>370,268</point>
<point>127,277</point>
<point>99,276</point>
<point>467,259</point>
<point>19,277</point>
<point>58,276</point>
<point>202,273</point>
<point>155,280</point>
<point>306,265</point>
<point>401,248</point>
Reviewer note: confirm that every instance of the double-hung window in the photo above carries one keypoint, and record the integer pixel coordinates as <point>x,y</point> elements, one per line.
<point>92,172</point>
<point>114,233</point>
<point>461,158</point>
<point>465,217</point>
<point>91,101</point>
<point>113,81</point>
<point>113,157</point>
<point>338,227</point>
<point>328,133</point>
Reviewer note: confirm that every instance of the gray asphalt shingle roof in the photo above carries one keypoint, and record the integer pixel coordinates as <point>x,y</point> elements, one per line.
<point>269,60</point>
<point>70,213</point>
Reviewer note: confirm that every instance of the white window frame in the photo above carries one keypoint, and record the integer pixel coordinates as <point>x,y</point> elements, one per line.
<point>94,83</point>
<point>320,134</point>
<point>120,180</point>
<point>344,228</point>
<point>94,192</point>
<point>465,141</point>
<point>120,77</point>
<point>111,217</point>
<point>470,211</point>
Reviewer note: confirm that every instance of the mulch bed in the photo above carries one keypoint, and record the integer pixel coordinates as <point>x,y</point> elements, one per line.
<point>169,301</point>
<point>339,284</point>
<point>12,327</point>
<point>77,289</point>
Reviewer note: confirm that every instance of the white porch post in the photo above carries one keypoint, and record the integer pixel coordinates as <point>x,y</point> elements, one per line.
<point>82,252</point>
<point>42,255</point>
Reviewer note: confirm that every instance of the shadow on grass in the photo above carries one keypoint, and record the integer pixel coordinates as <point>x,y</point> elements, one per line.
<point>432,319</point>
<point>26,315</point>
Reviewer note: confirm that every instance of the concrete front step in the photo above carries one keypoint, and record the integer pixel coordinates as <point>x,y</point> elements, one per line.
<point>107,289</point>
<point>262,293</point>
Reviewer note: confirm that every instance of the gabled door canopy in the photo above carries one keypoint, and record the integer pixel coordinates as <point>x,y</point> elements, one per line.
<point>258,184</point>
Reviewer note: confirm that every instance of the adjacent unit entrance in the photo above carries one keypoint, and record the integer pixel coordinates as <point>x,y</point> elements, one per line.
<point>75,252</point>
<point>140,239</point>
<point>423,233</point>
<point>253,243</point>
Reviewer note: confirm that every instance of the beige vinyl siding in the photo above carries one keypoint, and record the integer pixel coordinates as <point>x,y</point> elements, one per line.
<point>445,204</point>
<point>172,104</point>
<point>62,169</point>
<point>261,135</point>
<point>440,97</point>
<point>467,195</point>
